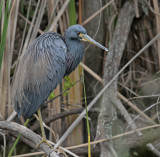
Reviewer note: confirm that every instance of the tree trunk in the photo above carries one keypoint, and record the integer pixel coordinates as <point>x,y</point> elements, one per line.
<point>108,113</point>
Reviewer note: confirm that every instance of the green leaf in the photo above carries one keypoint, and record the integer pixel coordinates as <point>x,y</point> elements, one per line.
<point>67,84</point>
<point>51,96</point>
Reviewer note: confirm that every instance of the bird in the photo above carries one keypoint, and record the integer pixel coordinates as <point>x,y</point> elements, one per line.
<point>48,59</point>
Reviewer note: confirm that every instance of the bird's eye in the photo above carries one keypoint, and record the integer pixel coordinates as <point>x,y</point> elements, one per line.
<point>78,33</point>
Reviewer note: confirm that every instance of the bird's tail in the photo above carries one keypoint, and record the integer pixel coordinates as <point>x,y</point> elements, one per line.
<point>15,143</point>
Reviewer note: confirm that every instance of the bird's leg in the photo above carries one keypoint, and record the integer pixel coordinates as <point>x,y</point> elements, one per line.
<point>42,130</point>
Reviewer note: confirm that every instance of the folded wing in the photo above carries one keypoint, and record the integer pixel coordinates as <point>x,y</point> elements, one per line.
<point>41,69</point>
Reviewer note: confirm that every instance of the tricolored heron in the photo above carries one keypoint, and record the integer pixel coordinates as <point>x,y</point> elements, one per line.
<point>42,67</point>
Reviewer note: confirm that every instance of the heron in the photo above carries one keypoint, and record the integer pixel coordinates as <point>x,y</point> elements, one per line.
<point>42,67</point>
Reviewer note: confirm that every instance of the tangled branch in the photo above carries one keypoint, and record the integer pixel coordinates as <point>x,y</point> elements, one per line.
<point>30,135</point>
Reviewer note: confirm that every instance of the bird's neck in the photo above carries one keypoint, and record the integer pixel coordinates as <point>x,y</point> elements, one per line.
<point>75,52</point>
<point>74,46</point>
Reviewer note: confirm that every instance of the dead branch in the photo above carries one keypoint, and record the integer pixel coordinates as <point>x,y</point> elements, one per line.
<point>57,116</point>
<point>28,134</point>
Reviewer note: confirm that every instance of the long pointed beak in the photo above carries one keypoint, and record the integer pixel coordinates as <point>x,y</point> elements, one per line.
<point>85,37</point>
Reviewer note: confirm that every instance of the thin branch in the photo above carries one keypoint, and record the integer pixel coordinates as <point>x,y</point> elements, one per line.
<point>59,15</point>
<point>153,149</point>
<point>151,9</point>
<point>144,96</point>
<point>96,13</point>
<point>135,108</point>
<point>57,116</point>
<point>122,135</point>
<point>120,96</point>
<point>24,18</point>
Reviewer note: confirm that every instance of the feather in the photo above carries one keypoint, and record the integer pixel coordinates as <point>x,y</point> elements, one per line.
<point>41,69</point>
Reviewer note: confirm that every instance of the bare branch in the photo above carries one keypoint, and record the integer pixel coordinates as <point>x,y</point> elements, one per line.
<point>57,116</point>
<point>30,135</point>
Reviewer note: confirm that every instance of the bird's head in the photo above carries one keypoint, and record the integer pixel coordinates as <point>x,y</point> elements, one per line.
<point>78,32</point>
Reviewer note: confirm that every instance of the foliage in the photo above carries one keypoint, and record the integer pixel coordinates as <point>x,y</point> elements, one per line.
<point>51,95</point>
<point>68,84</point>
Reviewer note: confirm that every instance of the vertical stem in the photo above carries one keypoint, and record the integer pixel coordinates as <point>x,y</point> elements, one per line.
<point>88,129</point>
<point>41,124</point>
<point>72,12</point>
<point>4,32</point>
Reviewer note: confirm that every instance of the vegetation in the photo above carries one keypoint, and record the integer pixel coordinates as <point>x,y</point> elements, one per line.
<point>122,86</point>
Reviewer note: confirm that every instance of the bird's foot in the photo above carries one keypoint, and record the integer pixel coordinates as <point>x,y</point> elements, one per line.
<point>44,141</point>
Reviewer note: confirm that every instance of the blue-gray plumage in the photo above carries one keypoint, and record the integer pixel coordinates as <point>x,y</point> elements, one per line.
<point>44,64</point>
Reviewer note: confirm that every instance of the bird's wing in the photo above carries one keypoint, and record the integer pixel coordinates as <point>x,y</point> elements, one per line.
<point>41,69</point>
